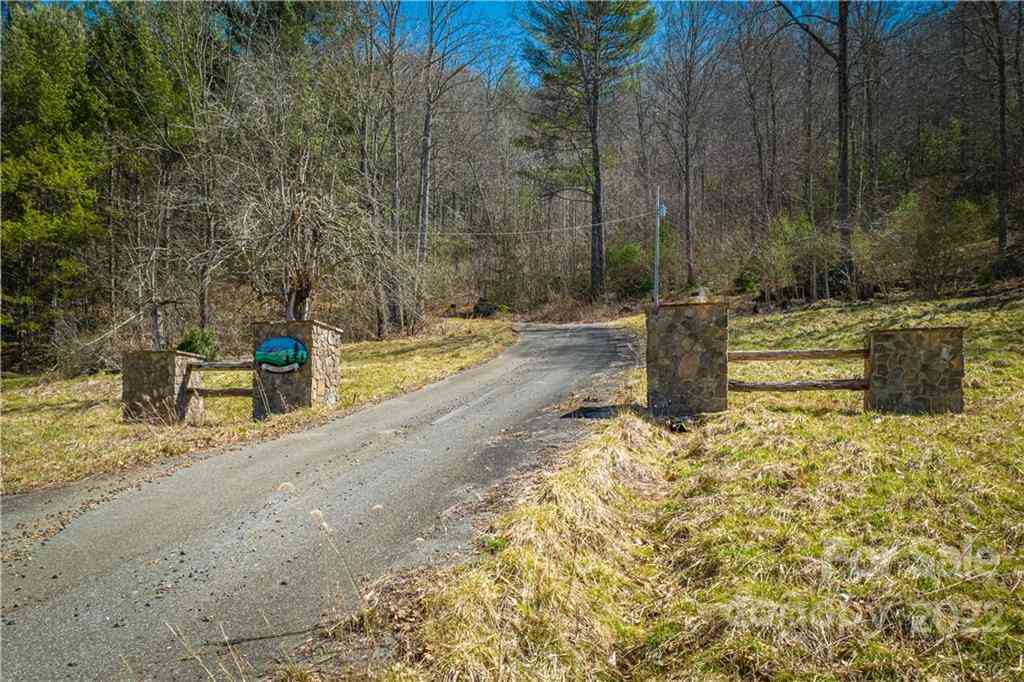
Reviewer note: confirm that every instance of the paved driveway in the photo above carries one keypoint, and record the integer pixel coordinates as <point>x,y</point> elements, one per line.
<point>228,548</point>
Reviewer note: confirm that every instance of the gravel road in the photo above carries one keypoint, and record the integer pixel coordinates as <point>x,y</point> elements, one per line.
<point>161,572</point>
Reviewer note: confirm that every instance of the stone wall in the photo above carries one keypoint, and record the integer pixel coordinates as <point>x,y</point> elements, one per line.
<point>687,358</point>
<point>317,382</point>
<point>915,371</point>
<point>327,370</point>
<point>154,389</point>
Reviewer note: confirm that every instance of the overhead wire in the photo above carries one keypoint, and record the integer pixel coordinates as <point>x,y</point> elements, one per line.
<point>554,229</point>
<point>127,203</point>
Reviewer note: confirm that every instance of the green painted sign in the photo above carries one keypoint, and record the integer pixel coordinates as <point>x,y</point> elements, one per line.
<point>281,354</point>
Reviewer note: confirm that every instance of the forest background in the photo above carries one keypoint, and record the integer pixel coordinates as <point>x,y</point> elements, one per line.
<point>177,170</point>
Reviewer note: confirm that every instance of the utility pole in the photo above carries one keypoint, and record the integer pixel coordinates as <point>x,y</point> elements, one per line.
<point>657,244</point>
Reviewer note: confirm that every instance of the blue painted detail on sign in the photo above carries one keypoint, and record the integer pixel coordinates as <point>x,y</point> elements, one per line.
<point>281,354</point>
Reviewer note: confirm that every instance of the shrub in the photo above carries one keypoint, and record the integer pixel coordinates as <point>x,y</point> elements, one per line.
<point>937,237</point>
<point>74,352</point>
<point>773,263</point>
<point>629,273</point>
<point>929,242</point>
<point>1007,267</point>
<point>882,261</point>
<point>818,259</point>
<point>201,342</point>
<point>746,282</point>
<point>794,256</point>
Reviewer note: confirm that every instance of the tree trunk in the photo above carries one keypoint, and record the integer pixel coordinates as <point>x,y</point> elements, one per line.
<point>808,131</point>
<point>1004,156</point>
<point>844,128</point>
<point>1019,67</point>
<point>808,183</point>
<point>643,139</point>
<point>773,147</point>
<point>297,303</point>
<point>755,126</point>
<point>871,69</point>
<point>844,146</point>
<point>158,326</point>
<point>205,273</point>
<point>423,221</point>
<point>382,307</point>
<point>687,213</point>
<point>963,98</point>
<point>393,282</point>
<point>163,245</point>
<point>204,297</point>
<point>597,255</point>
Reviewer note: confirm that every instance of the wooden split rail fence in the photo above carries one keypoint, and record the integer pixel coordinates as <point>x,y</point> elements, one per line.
<point>857,384</point>
<point>245,365</point>
<point>165,386</point>
<point>907,371</point>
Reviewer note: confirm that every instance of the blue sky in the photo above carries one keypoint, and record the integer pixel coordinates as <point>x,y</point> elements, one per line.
<point>497,21</point>
<point>494,13</point>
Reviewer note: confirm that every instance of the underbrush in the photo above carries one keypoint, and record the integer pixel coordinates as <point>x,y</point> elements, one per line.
<point>573,310</point>
<point>56,430</point>
<point>792,537</point>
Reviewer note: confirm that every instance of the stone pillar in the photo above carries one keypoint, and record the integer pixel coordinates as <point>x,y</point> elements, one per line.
<point>155,387</point>
<point>295,382</point>
<point>687,358</point>
<point>915,371</point>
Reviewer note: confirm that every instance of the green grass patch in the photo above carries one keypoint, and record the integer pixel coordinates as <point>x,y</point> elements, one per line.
<point>56,431</point>
<point>793,537</point>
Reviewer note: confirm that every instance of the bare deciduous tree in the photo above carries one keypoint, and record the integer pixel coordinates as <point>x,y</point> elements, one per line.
<point>690,59</point>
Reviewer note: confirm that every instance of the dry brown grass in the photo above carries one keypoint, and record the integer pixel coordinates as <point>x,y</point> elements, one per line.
<point>56,431</point>
<point>572,310</point>
<point>793,537</point>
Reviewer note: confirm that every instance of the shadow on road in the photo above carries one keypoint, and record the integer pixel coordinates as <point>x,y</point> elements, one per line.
<point>603,411</point>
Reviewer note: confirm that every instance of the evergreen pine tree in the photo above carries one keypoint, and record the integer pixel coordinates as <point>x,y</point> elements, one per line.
<point>580,52</point>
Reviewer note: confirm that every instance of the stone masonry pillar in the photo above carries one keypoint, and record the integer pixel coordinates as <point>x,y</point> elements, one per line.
<point>687,358</point>
<point>915,371</point>
<point>154,389</point>
<point>295,381</point>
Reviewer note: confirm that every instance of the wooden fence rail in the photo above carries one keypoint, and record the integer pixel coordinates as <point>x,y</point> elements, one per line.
<point>792,386</point>
<point>810,354</point>
<point>859,384</point>
<point>244,365</point>
<point>222,392</point>
<point>905,371</point>
<point>222,366</point>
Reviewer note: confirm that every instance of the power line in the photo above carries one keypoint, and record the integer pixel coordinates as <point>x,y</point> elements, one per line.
<point>128,203</point>
<point>548,231</point>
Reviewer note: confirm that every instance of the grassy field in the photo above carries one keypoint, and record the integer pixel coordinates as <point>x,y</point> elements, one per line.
<point>793,537</point>
<point>56,431</point>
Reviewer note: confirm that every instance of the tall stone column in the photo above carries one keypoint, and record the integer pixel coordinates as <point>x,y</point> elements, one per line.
<point>155,387</point>
<point>687,358</point>
<point>915,371</point>
<point>296,364</point>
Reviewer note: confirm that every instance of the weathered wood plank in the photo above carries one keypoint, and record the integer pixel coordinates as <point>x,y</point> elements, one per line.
<point>789,386</point>
<point>809,354</point>
<point>222,392</point>
<point>221,365</point>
